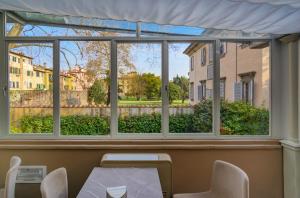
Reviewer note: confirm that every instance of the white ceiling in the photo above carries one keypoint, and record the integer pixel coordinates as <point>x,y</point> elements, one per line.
<point>253,16</point>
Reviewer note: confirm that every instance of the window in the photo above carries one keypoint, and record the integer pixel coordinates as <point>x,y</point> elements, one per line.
<point>14,59</point>
<point>223,48</point>
<point>211,53</point>
<point>247,81</point>
<point>245,108</point>
<point>86,109</point>
<point>192,91</point>
<point>192,63</point>
<point>31,110</point>
<point>222,88</point>
<point>188,109</point>
<point>134,91</point>
<point>203,56</point>
<point>139,88</point>
<point>202,90</point>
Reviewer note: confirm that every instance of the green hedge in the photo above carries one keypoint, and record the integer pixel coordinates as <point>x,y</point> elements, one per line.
<point>237,118</point>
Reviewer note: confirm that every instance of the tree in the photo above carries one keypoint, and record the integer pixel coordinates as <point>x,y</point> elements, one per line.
<point>98,60</point>
<point>134,82</point>
<point>183,83</point>
<point>96,93</point>
<point>152,85</point>
<point>174,92</point>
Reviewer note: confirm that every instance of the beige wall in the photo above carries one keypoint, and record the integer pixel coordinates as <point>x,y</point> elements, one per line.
<point>192,161</point>
<point>248,60</point>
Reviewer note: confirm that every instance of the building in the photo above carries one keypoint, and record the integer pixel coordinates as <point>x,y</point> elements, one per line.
<point>244,72</point>
<point>20,71</point>
<point>24,75</point>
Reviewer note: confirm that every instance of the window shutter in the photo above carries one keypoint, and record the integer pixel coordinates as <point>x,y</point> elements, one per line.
<point>209,93</point>
<point>222,89</point>
<point>238,91</point>
<point>251,91</point>
<point>200,92</point>
<point>210,53</point>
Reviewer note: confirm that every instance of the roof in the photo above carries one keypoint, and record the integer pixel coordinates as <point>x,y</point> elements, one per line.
<point>252,16</point>
<point>20,54</point>
<point>193,47</point>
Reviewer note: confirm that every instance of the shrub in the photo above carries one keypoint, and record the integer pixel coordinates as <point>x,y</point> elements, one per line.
<point>181,123</point>
<point>240,118</point>
<point>140,124</point>
<point>237,118</point>
<point>84,125</point>
<point>70,125</point>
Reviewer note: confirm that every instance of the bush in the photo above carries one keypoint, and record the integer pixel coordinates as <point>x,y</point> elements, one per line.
<point>181,123</point>
<point>84,125</point>
<point>70,125</point>
<point>140,124</point>
<point>237,118</point>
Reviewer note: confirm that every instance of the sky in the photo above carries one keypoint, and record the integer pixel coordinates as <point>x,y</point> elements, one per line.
<point>145,57</point>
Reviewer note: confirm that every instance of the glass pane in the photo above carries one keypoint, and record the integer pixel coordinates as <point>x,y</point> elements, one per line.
<point>244,88</point>
<point>190,88</point>
<point>30,88</point>
<point>84,88</point>
<point>51,25</point>
<point>139,88</point>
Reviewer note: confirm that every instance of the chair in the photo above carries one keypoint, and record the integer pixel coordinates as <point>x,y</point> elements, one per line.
<point>228,181</point>
<point>10,182</point>
<point>55,184</point>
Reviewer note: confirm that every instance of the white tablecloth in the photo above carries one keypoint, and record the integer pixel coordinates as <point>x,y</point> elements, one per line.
<point>140,182</point>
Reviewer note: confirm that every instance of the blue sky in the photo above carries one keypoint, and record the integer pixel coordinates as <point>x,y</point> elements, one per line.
<point>145,58</point>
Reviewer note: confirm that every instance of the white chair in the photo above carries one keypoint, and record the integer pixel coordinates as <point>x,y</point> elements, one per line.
<point>55,184</point>
<point>10,182</point>
<point>228,181</point>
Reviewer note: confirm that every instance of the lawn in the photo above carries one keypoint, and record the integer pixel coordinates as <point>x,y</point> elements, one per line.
<point>149,102</point>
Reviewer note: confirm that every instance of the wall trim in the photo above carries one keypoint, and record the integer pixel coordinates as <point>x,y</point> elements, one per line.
<point>140,144</point>
<point>290,145</point>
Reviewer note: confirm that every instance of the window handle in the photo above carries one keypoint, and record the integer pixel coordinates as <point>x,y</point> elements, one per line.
<point>4,89</point>
<point>166,88</point>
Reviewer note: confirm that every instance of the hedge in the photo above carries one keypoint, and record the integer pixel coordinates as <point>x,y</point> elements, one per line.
<point>237,118</point>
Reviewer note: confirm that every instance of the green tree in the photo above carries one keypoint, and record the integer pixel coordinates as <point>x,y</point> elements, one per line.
<point>183,83</point>
<point>174,92</point>
<point>152,85</point>
<point>135,89</point>
<point>97,93</point>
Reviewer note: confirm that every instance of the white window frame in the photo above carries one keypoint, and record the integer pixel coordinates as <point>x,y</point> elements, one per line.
<point>4,96</point>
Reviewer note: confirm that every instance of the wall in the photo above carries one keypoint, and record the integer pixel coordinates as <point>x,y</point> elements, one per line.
<point>192,161</point>
<point>235,61</point>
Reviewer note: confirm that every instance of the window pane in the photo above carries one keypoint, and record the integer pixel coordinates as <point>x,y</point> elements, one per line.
<point>30,91</point>
<point>84,88</point>
<point>139,88</point>
<point>190,88</point>
<point>244,88</point>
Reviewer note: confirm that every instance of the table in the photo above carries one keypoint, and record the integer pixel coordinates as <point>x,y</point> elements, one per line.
<point>140,182</point>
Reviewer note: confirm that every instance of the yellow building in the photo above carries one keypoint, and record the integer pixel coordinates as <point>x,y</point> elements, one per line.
<point>20,71</point>
<point>23,75</point>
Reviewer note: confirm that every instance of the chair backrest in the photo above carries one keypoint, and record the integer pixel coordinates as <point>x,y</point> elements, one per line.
<point>11,176</point>
<point>229,181</point>
<point>55,184</point>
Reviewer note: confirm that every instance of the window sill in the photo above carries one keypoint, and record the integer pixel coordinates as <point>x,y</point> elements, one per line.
<point>169,144</point>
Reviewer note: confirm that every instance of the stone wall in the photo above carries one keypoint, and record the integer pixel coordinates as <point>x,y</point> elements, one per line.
<point>17,113</point>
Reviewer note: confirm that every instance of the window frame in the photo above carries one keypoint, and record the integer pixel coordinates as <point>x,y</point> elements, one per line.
<point>4,98</point>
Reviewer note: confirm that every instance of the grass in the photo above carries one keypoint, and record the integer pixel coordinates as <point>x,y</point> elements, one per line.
<point>149,102</point>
